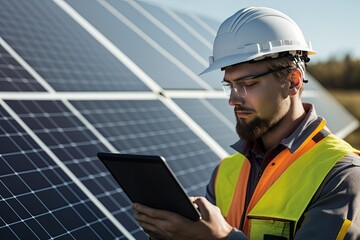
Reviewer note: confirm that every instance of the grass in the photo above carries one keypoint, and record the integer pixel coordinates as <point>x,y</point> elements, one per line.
<point>350,99</point>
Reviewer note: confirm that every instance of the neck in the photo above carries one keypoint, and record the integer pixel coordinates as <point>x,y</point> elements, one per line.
<point>285,126</point>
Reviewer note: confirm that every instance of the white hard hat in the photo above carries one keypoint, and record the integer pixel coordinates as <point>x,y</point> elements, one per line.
<point>255,33</point>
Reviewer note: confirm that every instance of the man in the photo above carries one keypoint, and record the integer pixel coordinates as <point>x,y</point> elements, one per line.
<point>291,178</point>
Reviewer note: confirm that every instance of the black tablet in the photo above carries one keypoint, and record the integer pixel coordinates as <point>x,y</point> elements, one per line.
<point>148,180</point>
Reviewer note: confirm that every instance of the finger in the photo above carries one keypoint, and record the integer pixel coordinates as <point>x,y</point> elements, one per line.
<point>203,206</point>
<point>154,236</point>
<point>140,217</point>
<point>152,212</point>
<point>193,200</point>
<point>153,228</point>
<point>148,227</point>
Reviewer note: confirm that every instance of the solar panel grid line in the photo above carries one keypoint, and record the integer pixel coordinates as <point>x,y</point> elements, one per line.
<point>187,155</point>
<point>151,128</point>
<point>13,77</point>
<point>209,120</point>
<point>35,195</point>
<point>59,49</point>
<point>61,149</point>
<point>109,46</point>
<point>89,126</point>
<point>199,131</point>
<point>66,102</point>
<point>68,172</point>
<point>79,95</point>
<point>185,169</point>
<point>155,45</point>
<point>25,65</point>
<point>169,32</point>
<point>203,24</point>
<point>195,94</point>
<point>217,113</point>
<point>204,41</point>
<point>108,96</point>
<point>198,185</point>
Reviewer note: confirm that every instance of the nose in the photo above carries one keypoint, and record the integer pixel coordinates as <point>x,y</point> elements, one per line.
<point>237,97</point>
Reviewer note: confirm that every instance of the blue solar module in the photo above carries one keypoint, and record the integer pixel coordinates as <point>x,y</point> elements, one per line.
<point>13,77</point>
<point>149,127</point>
<point>98,60</point>
<point>37,199</point>
<point>60,50</point>
<point>222,105</point>
<point>166,41</point>
<point>76,147</point>
<point>212,118</point>
<point>149,55</point>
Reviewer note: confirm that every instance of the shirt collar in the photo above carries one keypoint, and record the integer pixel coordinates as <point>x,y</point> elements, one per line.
<point>294,140</point>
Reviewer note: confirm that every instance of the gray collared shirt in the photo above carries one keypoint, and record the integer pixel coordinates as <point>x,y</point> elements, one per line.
<point>337,199</point>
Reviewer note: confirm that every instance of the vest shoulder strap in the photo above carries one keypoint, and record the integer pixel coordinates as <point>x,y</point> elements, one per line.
<point>289,196</point>
<point>227,176</point>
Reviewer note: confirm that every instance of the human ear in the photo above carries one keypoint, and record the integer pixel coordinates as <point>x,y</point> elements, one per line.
<point>296,77</point>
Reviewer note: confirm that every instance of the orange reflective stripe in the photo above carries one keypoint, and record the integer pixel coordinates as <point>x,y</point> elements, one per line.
<point>276,168</point>
<point>227,177</point>
<point>238,202</point>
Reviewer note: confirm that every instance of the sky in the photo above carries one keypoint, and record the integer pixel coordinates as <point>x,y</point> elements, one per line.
<point>331,26</point>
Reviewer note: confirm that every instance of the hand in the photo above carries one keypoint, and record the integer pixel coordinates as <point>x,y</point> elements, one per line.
<point>162,224</point>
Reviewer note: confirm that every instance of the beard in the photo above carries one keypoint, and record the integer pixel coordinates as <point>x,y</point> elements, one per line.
<point>256,128</point>
<point>253,130</point>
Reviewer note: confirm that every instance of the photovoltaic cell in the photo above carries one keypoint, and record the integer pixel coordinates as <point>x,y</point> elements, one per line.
<point>210,116</point>
<point>152,61</point>
<point>13,77</point>
<point>222,105</point>
<point>37,199</point>
<point>158,35</point>
<point>177,28</point>
<point>60,50</point>
<point>213,78</point>
<point>77,147</point>
<point>149,127</point>
<point>198,28</point>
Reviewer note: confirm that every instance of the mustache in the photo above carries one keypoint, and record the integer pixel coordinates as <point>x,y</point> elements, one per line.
<point>242,108</point>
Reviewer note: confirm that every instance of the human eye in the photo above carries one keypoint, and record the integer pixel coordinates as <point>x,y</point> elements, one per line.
<point>249,83</point>
<point>225,83</point>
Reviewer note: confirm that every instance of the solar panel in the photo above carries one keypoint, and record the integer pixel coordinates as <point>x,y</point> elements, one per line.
<point>78,77</point>
<point>139,46</point>
<point>38,200</point>
<point>210,114</point>
<point>149,127</point>
<point>76,146</point>
<point>13,77</point>
<point>61,51</point>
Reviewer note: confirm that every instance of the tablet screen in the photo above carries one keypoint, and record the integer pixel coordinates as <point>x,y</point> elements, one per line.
<point>148,180</point>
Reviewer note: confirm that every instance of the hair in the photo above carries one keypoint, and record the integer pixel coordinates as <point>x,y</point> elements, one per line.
<point>288,60</point>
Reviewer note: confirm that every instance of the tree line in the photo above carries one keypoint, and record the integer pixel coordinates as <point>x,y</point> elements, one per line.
<point>337,73</point>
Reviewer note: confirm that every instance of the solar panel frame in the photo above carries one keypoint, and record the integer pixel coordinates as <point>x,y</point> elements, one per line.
<point>137,45</point>
<point>41,194</point>
<point>76,146</point>
<point>13,77</point>
<point>149,127</point>
<point>61,51</point>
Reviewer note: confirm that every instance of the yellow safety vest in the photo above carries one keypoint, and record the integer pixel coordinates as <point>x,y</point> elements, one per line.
<point>284,191</point>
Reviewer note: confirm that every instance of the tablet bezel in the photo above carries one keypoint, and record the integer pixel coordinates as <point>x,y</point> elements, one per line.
<point>148,179</point>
